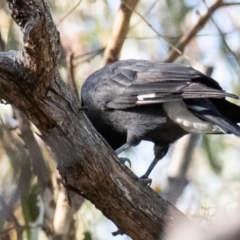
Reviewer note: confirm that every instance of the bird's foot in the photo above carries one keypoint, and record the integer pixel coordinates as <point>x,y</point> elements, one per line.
<point>145,180</point>
<point>118,232</point>
<point>124,160</point>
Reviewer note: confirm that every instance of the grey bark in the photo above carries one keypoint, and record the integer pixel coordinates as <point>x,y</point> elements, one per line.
<point>29,79</point>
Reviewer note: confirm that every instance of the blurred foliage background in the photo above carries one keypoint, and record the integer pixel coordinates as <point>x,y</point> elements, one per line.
<point>200,174</point>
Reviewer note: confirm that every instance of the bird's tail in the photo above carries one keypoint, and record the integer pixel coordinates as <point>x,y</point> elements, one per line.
<point>219,112</point>
<point>226,125</point>
<point>227,109</point>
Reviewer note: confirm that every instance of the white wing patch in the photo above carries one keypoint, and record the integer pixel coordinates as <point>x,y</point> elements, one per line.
<point>178,112</point>
<point>142,97</point>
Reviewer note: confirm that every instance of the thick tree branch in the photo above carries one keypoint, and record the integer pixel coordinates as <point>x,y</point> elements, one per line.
<point>29,79</point>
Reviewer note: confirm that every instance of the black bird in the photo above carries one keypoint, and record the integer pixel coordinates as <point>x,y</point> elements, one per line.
<point>134,100</point>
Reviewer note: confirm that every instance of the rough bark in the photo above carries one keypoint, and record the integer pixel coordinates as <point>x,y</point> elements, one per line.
<point>29,79</point>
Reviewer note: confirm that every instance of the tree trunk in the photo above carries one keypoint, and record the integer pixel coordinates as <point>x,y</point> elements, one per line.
<point>29,79</point>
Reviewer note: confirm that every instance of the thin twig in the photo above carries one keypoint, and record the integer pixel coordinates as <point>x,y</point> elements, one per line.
<point>177,37</point>
<point>175,49</point>
<point>69,13</point>
<point>225,42</point>
<point>145,14</point>
<point>88,57</point>
<point>222,35</point>
<point>79,56</point>
<point>189,36</point>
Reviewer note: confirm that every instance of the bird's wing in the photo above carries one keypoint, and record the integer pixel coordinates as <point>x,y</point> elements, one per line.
<point>206,110</point>
<point>126,84</point>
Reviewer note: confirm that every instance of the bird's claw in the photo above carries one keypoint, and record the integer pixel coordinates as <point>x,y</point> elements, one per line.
<point>118,232</point>
<point>124,160</point>
<point>145,180</point>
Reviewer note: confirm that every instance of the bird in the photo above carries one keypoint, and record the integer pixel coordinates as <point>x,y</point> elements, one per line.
<point>133,100</point>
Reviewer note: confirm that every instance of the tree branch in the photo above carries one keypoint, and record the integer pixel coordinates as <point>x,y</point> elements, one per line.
<point>120,30</point>
<point>85,160</point>
<point>177,174</point>
<point>189,36</point>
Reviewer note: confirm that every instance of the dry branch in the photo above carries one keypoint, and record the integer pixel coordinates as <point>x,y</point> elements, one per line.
<point>177,174</point>
<point>173,54</point>
<point>119,32</point>
<point>29,79</point>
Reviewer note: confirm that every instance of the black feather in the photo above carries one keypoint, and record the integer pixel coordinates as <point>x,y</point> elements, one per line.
<point>126,103</point>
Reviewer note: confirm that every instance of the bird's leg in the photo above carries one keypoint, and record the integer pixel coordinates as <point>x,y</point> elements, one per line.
<point>145,177</point>
<point>150,168</point>
<point>159,151</point>
<point>121,149</point>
